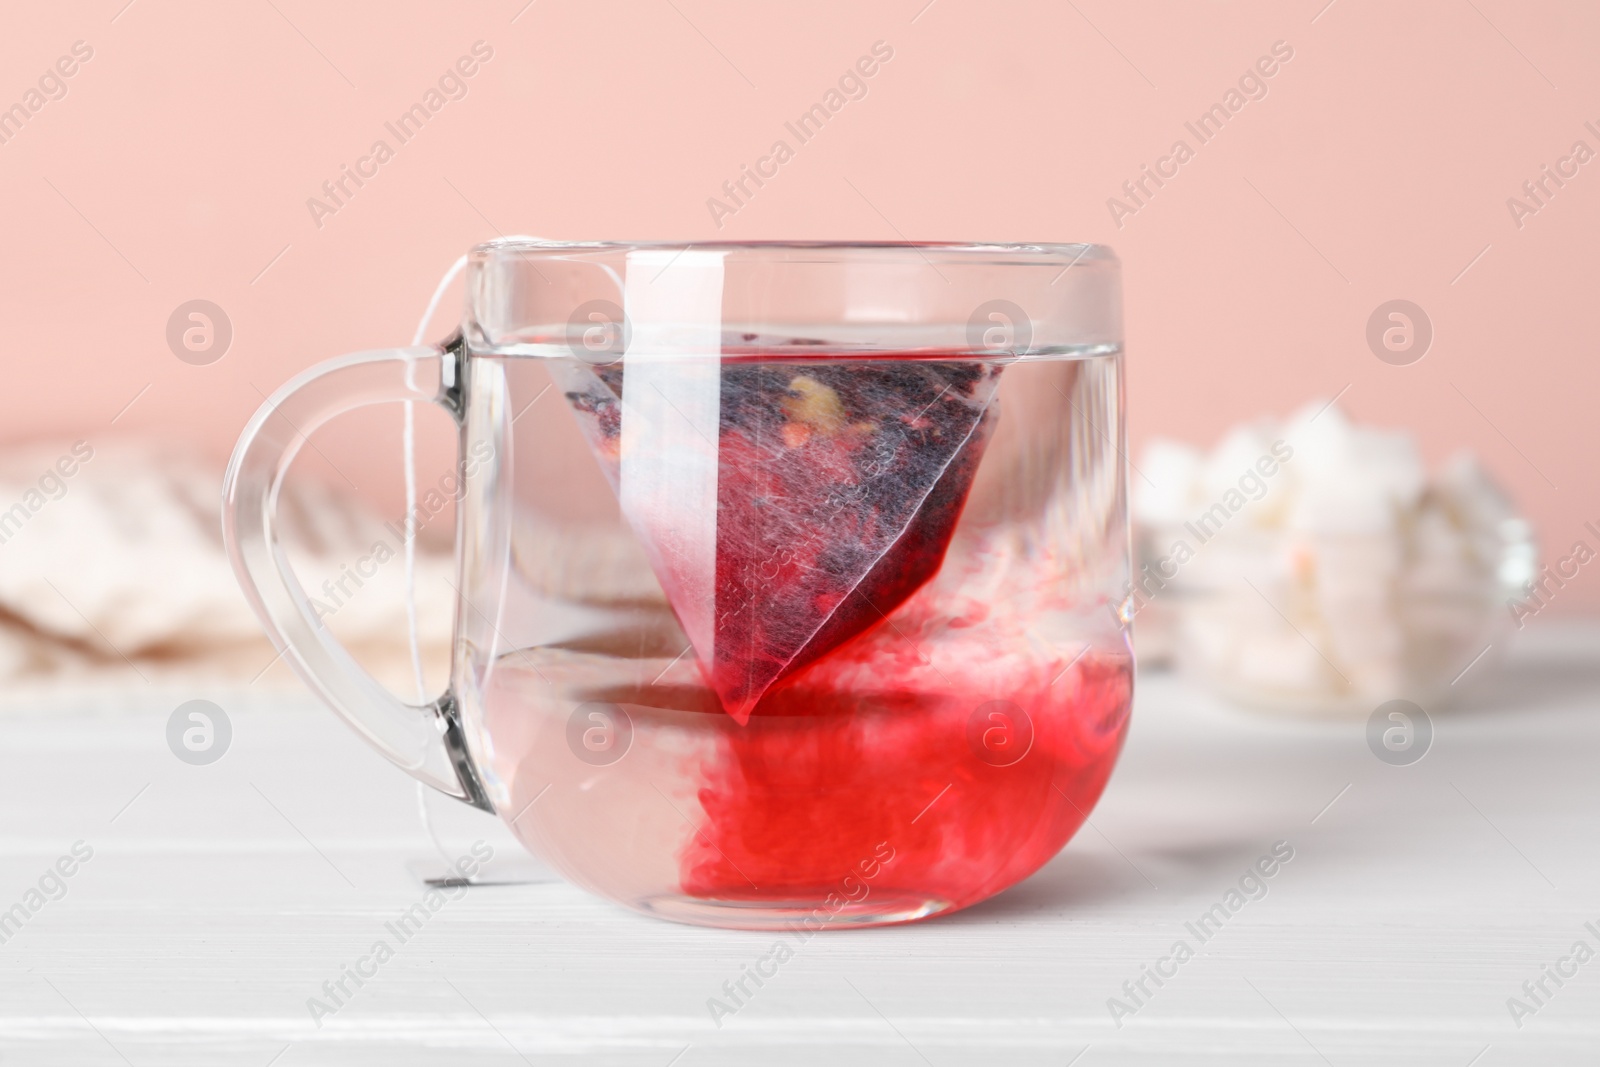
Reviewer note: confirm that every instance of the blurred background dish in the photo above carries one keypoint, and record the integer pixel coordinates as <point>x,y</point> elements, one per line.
<point>1315,566</point>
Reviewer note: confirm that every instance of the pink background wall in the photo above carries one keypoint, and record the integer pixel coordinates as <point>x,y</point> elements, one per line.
<point>1378,166</point>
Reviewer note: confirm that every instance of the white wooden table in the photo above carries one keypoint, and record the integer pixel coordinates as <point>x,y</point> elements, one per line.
<point>220,898</point>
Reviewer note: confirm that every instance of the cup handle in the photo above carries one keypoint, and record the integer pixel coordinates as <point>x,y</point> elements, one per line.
<point>426,741</point>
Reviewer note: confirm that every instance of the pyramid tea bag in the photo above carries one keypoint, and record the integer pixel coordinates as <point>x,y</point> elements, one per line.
<point>786,505</point>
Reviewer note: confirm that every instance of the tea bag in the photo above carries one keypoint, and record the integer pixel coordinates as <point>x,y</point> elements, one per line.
<point>786,506</point>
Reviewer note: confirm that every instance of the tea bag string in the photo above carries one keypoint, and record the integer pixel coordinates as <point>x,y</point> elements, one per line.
<point>409,451</point>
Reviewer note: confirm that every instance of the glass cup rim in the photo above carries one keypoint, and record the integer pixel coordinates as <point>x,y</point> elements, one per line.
<point>1021,252</point>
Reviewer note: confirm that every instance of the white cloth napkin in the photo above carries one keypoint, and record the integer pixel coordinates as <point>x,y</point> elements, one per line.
<point>112,567</point>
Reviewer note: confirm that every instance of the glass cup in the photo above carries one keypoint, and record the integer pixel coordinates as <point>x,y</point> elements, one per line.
<point>791,576</point>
